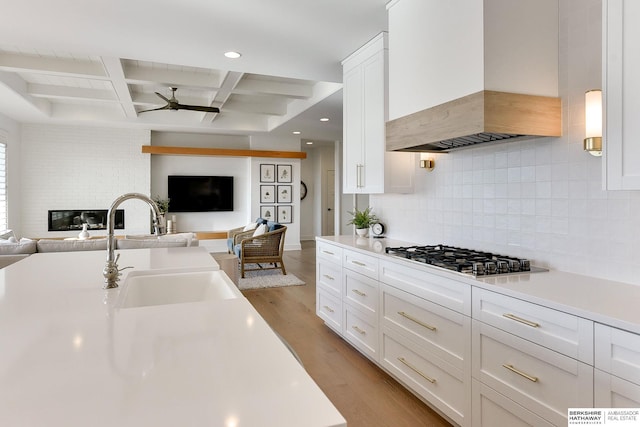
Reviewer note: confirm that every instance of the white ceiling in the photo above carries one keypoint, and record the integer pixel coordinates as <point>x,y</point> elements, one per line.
<point>99,63</point>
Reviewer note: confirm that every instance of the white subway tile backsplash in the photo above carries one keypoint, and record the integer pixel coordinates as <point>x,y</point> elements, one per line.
<point>542,198</point>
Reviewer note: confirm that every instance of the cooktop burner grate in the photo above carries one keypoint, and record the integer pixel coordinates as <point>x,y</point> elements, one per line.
<point>462,260</point>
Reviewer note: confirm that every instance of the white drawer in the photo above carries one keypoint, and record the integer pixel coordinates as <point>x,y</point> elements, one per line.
<point>618,352</point>
<point>444,332</point>
<point>430,286</point>
<point>361,331</point>
<point>541,380</point>
<point>562,332</point>
<point>361,292</point>
<point>614,392</point>
<point>363,264</point>
<point>329,276</point>
<point>329,309</point>
<point>329,252</point>
<point>440,383</point>
<point>491,409</point>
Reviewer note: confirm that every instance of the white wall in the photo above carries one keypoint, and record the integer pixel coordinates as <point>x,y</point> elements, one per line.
<point>540,199</point>
<point>12,130</point>
<point>69,167</point>
<point>238,167</point>
<point>268,142</point>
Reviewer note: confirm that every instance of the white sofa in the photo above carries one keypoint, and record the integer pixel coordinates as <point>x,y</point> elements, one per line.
<point>12,250</point>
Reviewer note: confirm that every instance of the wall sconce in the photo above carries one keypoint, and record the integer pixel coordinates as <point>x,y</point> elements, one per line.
<point>426,163</point>
<point>593,122</point>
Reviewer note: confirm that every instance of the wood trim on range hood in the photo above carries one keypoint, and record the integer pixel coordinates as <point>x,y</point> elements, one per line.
<point>480,118</point>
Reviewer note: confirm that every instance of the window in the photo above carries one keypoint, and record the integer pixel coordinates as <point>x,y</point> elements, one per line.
<point>3,180</point>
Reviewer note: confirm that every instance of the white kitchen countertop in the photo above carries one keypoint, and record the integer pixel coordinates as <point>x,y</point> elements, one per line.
<point>605,301</point>
<point>69,357</point>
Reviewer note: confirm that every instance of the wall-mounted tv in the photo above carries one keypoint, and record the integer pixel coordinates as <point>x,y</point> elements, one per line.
<point>200,193</point>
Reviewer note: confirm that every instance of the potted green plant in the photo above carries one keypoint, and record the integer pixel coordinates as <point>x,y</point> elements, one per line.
<point>362,220</point>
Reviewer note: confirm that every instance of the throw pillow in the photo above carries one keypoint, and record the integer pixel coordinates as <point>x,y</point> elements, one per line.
<point>260,230</point>
<point>250,226</point>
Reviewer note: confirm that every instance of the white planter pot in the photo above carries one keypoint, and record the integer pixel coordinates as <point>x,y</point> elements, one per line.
<point>362,232</point>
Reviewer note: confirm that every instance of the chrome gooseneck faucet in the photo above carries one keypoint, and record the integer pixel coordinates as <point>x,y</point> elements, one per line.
<point>110,272</point>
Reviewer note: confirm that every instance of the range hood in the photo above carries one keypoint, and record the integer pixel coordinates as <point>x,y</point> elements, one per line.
<point>484,117</point>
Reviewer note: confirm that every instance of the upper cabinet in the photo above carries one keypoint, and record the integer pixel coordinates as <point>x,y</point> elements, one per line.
<point>447,59</point>
<point>621,94</point>
<point>368,168</point>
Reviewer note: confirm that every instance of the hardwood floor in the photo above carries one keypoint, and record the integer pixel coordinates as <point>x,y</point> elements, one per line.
<point>364,394</point>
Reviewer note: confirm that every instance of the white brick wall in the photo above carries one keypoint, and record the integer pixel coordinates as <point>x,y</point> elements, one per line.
<point>541,198</point>
<point>68,167</point>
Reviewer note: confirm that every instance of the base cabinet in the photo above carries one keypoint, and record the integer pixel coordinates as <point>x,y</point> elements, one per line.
<point>491,408</point>
<point>479,357</point>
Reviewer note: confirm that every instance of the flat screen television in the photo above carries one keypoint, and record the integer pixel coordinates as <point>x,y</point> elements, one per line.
<point>200,193</point>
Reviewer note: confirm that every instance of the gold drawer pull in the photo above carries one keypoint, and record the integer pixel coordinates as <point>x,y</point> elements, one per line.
<point>522,374</point>
<point>413,319</point>
<point>328,277</point>
<point>361,264</point>
<point>329,309</point>
<point>357,292</point>
<point>328,253</point>
<point>416,370</point>
<point>521,320</point>
<point>358,330</point>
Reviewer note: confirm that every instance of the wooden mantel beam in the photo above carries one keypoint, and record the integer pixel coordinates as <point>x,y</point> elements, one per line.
<point>196,151</point>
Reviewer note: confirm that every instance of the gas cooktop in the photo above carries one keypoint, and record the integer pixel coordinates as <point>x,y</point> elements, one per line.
<point>467,261</point>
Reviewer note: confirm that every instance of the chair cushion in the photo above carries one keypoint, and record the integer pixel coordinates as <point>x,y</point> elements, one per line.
<point>250,226</point>
<point>260,230</point>
<point>237,249</point>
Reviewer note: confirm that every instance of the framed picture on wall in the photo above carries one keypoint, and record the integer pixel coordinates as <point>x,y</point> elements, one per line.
<point>284,193</point>
<point>285,214</point>
<point>268,213</point>
<point>285,173</point>
<point>267,173</point>
<point>267,194</point>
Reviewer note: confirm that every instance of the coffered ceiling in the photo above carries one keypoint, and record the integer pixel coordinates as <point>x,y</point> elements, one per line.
<point>93,63</point>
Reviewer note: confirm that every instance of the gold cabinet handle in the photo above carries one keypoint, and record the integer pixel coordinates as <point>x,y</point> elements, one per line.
<point>357,292</point>
<point>361,264</point>
<point>329,309</point>
<point>522,374</point>
<point>419,322</point>
<point>521,320</point>
<point>416,370</point>
<point>328,277</point>
<point>328,253</point>
<point>358,330</point>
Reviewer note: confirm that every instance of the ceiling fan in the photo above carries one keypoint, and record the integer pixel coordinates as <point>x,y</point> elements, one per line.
<point>173,104</point>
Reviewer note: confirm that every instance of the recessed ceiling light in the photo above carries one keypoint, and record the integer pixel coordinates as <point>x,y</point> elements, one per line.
<point>324,119</point>
<point>296,132</point>
<point>309,142</point>
<point>233,55</point>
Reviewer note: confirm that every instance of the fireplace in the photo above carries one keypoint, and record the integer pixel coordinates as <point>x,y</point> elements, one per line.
<point>65,220</point>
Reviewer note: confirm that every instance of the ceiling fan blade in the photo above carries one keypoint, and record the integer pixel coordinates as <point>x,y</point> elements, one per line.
<point>166,107</point>
<point>162,96</point>
<point>198,108</point>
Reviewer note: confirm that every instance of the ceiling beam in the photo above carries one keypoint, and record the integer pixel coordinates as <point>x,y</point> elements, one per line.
<point>114,69</point>
<point>250,86</point>
<point>229,82</point>
<point>170,78</point>
<point>52,66</point>
<point>66,92</point>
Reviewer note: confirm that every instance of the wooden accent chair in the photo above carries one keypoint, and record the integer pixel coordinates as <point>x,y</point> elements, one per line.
<point>264,249</point>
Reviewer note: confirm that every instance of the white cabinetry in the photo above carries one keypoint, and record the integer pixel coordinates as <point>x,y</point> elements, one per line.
<point>533,358</point>
<point>617,374</point>
<point>368,168</point>
<point>621,102</point>
<point>329,285</point>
